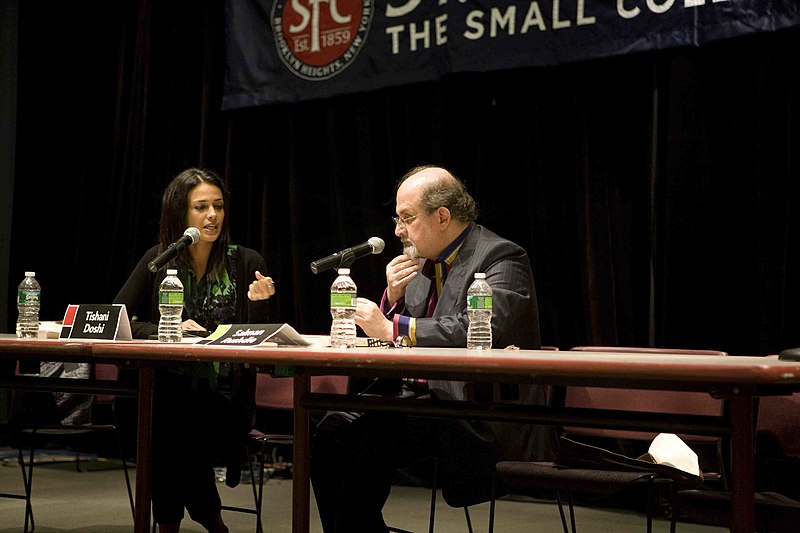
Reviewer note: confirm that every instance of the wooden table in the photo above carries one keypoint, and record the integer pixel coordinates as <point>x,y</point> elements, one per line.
<point>737,379</point>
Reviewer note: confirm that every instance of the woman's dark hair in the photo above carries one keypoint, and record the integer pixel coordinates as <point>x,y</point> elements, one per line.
<point>175,207</point>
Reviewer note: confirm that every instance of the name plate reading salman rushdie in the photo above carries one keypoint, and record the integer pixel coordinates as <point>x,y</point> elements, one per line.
<point>255,335</point>
<point>96,321</point>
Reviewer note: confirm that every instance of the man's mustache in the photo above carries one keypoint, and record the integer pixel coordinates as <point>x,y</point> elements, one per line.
<point>409,249</point>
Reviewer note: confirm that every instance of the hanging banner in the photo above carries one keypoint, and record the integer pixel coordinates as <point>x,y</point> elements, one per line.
<point>292,50</point>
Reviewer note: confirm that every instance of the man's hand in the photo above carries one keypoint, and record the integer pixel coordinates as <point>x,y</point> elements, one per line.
<point>370,318</point>
<point>399,273</point>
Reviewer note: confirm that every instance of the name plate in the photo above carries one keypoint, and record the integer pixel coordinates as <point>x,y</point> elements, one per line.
<point>255,335</point>
<point>96,321</point>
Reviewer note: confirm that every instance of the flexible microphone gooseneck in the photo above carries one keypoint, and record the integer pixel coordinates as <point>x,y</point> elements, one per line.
<point>190,236</point>
<point>346,257</point>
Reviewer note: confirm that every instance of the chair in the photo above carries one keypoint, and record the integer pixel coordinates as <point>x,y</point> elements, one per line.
<point>270,393</point>
<point>777,467</point>
<point>35,415</point>
<point>434,491</point>
<point>261,443</point>
<point>275,394</point>
<point>466,509</point>
<point>654,401</point>
<point>778,443</point>
<point>432,511</point>
<point>533,478</point>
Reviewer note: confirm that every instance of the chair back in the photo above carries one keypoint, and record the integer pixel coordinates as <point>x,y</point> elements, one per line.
<point>105,371</point>
<point>278,392</point>
<point>779,421</point>
<point>652,401</point>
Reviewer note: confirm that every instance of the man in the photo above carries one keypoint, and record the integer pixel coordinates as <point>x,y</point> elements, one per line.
<point>354,457</point>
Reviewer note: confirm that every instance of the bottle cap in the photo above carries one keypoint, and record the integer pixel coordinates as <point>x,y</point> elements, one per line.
<point>480,275</point>
<point>30,274</point>
<point>172,272</point>
<point>343,271</point>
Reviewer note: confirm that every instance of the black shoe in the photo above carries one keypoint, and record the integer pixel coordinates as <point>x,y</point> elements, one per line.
<point>233,475</point>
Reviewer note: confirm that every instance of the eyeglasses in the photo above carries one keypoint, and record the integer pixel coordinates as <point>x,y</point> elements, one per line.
<point>402,222</point>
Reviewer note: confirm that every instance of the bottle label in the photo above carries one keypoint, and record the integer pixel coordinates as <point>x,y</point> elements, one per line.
<point>170,298</point>
<point>343,299</point>
<point>479,302</point>
<point>29,297</point>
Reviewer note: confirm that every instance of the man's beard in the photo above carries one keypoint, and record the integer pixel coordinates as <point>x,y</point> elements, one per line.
<point>410,249</point>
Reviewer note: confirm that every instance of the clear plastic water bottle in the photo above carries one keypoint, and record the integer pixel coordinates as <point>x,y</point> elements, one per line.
<point>343,310</point>
<point>170,305</point>
<point>479,311</point>
<point>29,299</point>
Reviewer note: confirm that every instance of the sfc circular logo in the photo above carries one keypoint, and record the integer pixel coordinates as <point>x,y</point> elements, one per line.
<point>318,39</point>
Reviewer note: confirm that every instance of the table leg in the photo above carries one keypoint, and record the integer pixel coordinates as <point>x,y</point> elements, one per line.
<point>742,465</point>
<point>143,450</point>
<point>301,485</point>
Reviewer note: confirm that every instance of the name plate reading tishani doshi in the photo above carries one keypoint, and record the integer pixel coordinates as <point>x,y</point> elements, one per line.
<point>96,321</point>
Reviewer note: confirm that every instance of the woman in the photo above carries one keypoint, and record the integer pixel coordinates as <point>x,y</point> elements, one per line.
<point>203,411</point>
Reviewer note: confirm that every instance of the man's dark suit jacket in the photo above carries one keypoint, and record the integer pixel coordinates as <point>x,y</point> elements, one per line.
<point>470,449</point>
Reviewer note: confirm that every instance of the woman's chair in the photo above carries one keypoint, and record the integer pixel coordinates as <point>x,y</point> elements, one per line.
<point>262,446</point>
<point>532,478</point>
<point>275,395</point>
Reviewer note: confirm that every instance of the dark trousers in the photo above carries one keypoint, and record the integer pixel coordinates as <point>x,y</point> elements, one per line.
<point>188,436</point>
<point>353,462</point>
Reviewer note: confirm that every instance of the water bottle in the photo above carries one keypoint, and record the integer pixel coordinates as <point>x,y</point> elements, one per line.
<point>170,305</point>
<point>343,310</point>
<point>29,298</point>
<point>479,311</point>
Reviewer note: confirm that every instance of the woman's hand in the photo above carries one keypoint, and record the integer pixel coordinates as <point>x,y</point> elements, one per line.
<point>191,325</point>
<point>263,288</point>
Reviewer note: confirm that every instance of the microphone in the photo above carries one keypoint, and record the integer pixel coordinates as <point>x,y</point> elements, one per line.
<point>190,236</point>
<point>346,257</point>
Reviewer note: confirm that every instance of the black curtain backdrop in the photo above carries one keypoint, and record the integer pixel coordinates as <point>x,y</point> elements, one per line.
<point>655,193</point>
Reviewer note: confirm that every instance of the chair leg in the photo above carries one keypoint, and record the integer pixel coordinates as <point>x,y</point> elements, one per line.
<point>469,522</point>
<point>128,487</point>
<point>27,481</point>
<point>673,519</point>
<point>432,516</point>
<point>260,496</point>
<point>721,462</point>
<point>650,505</point>
<point>257,488</point>
<point>571,512</point>
<point>492,504</point>
<point>257,479</point>
<point>125,471</point>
